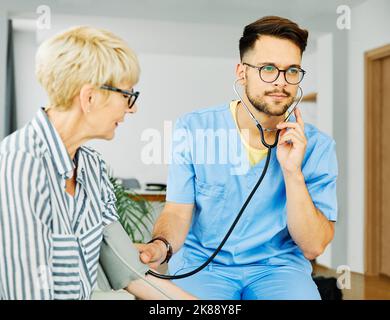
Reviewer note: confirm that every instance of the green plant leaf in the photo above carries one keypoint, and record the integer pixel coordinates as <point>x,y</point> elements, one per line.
<point>134,212</point>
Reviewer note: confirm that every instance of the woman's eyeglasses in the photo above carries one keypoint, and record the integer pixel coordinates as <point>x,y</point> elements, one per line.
<point>131,95</point>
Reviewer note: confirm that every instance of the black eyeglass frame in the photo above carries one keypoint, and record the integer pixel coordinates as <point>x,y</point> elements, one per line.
<point>132,93</point>
<point>279,71</point>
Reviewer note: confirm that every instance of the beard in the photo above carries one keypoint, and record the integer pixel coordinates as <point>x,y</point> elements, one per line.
<point>276,109</point>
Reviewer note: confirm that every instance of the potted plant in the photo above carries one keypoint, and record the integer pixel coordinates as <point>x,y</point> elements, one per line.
<point>135,213</point>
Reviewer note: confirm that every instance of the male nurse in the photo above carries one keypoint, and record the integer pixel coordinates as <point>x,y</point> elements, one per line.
<point>290,219</point>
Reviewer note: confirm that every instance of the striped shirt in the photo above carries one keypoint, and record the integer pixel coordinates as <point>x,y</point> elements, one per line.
<point>49,240</point>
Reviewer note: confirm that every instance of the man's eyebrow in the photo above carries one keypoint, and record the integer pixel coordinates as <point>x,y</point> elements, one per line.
<point>260,64</point>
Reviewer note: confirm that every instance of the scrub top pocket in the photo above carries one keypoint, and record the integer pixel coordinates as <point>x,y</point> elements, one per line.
<point>210,204</point>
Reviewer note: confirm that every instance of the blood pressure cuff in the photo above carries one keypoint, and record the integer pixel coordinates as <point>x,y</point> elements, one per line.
<point>119,258</point>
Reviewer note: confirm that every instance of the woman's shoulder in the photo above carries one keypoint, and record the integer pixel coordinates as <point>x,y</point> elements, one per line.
<point>23,141</point>
<point>94,158</point>
<point>22,155</point>
<point>91,152</point>
<point>95,165</point>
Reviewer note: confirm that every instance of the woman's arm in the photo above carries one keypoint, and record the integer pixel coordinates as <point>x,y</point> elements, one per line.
<point>120,263</point>
<point>25,241</point>
<point>141,289</point>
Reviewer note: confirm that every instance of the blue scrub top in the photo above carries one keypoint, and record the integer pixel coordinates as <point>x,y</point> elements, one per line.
<point>210,168</point>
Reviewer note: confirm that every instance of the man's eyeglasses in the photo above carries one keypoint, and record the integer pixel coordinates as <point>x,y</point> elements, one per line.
<point>131,95</point>
<point>269,73</point>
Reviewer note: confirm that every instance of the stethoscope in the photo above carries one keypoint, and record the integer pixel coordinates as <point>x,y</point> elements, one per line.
<point>258,125</point>
<point>269,147</point>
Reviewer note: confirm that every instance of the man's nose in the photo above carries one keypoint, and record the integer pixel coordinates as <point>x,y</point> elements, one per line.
<point>280,80</point>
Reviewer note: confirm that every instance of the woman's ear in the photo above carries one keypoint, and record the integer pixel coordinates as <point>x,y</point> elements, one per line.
<point>87,97</point>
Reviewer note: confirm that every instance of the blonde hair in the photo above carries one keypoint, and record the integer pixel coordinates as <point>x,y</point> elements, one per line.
<point>83,55</point>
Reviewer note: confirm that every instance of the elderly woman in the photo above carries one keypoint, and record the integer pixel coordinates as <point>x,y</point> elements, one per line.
<point>55,193</point>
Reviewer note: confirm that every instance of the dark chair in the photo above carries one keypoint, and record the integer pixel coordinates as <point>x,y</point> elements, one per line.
<point>130,183</point>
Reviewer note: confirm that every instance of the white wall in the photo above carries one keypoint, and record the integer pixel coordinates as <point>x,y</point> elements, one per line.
<point>324,108</point>
<point>309,85</point>
<point>29,94</point>
<point>325,83</point>
<point>370,29</point>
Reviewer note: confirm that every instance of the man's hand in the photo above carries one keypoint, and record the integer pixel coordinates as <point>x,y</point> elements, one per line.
<point>292,144</point>
<point>152,254</point>
<point>173,223</point>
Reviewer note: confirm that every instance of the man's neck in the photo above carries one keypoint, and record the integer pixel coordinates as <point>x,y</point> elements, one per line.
<point>246,123</point>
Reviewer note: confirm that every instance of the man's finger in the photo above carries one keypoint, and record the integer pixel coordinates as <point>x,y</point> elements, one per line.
<point>291,125</point>
<point>295,134</point>
<point>291,140</point>
<point>294,139</point>
<point>151,253</point>
<point>145,257</point>
<point>140,246</point>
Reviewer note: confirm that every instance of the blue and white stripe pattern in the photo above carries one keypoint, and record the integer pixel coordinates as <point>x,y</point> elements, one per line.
<point>49,240</point>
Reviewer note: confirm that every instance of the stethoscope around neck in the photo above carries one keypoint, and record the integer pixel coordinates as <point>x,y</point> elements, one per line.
<point>229,232</point>
<point>257,123</point>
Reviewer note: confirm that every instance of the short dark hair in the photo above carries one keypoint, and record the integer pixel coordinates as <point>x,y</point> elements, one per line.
<point>272,26</point>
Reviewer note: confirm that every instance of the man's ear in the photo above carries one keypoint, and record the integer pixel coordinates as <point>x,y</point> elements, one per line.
<point>240,73</point>
<point>87,97</point>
